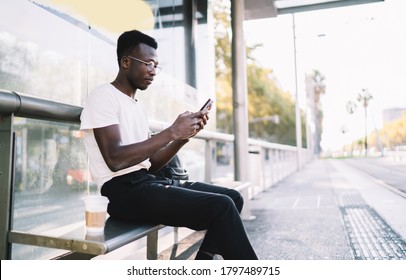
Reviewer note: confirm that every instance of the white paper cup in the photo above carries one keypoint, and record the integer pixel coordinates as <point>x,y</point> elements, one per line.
<point>96,211</point>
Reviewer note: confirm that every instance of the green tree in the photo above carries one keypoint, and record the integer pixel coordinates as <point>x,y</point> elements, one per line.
<point>222,34</point>
<point>393,133</point>
<point>271,111</point>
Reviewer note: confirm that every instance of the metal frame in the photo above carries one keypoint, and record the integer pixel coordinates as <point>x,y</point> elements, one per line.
<point>6,175</point>
<point>16,104</point>
<point>27,106</point>
<point>297,8</point>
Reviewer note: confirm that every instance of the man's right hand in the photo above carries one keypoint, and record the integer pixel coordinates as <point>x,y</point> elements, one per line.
<point>188,124</point>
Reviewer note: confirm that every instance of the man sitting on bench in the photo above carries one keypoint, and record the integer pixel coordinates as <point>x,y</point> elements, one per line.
<point>123,156</point>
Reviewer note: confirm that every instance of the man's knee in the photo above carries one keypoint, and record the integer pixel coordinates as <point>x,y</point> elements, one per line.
<point>237,198</point>
<point>223,202</point>
<point>232,199</point>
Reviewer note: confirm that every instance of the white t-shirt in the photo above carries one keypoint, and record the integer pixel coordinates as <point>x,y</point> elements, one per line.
<point>107,106</point>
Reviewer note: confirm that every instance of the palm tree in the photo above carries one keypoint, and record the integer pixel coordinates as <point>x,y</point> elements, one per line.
<point>363,97</point>
<point>351,108</point>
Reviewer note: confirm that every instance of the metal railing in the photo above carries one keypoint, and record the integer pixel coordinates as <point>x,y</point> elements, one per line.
<point>271,162</point>
<point>22,105</point>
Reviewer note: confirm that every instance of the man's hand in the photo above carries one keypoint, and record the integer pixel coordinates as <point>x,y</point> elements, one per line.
<point>189,124</point>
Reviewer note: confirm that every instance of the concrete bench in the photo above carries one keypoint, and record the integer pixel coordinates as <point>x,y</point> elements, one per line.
<point>79,245</point>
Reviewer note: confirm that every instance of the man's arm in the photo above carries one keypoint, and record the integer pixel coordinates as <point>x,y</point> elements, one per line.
<point>164,155</point>
<point>119,156</point>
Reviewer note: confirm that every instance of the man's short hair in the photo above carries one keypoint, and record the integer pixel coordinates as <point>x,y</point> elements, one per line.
<point>130,40</point>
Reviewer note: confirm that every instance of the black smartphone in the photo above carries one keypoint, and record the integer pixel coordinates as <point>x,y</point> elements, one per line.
<point>207,104</point>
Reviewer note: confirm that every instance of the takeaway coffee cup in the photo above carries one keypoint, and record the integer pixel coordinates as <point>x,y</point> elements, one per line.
<point>96,210</point>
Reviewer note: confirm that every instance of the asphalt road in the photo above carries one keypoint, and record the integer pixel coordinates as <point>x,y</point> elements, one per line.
<point>385,169</point>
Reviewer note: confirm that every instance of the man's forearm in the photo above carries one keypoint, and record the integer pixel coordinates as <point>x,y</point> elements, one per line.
<point>164,155</point>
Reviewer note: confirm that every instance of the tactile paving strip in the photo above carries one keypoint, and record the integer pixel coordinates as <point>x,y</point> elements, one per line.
<point>370,237</point>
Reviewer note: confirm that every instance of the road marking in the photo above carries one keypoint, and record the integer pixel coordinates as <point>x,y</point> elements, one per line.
<point>296,202</point>
<point>34,211</point>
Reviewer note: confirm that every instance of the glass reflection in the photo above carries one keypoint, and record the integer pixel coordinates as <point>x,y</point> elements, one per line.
<point>51,177</point>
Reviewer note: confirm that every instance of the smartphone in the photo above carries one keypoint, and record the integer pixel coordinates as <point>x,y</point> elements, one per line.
<point>207,104</point>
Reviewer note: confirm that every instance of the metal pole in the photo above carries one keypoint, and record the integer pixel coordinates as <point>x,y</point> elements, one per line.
<point>366,133</point>
<point>240,100</point>
<point>6,187</point>
<point>297,108</point>
<point>190,26</point>
<point>208,161</point>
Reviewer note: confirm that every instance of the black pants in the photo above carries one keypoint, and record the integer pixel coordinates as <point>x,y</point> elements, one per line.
<point>142,197</point>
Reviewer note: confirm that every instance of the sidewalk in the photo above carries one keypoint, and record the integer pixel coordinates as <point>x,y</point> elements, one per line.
<point>326,211</point>
<point>299,218</point>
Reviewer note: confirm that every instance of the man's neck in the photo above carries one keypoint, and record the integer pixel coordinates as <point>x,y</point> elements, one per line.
<point>116,83</point>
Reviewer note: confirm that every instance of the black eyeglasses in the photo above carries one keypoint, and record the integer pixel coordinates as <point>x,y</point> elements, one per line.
<point>150,65</point>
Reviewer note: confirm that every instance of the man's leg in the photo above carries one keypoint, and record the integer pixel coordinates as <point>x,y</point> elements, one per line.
<point>208,246</point>
<point>231,193</point>
<point>192,207</point>
<point>195,205</point>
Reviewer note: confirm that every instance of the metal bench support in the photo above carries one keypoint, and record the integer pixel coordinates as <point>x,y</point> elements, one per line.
<point>6,187</point>
<point>152,245</point>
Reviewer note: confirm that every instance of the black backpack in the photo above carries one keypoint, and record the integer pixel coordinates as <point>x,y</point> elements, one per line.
<point>173,170</point>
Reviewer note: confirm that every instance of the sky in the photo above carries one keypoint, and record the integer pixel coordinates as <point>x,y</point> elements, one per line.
<point>356,47</point>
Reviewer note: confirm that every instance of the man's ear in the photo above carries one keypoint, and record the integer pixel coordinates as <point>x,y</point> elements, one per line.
<point>125,62</point>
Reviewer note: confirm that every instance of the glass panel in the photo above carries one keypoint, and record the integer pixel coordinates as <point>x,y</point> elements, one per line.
<point>55,52</point>
<point>193,160</point>
<point>223,165</point>
<point>51,178</point>
<point>44,55</point>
